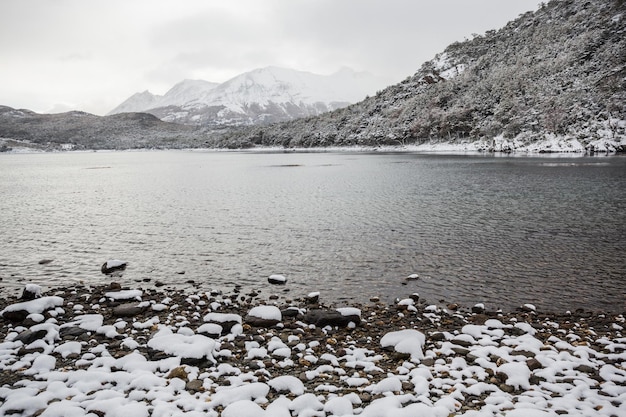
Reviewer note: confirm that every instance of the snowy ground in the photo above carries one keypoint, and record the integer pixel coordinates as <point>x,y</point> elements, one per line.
<point>135,352</point>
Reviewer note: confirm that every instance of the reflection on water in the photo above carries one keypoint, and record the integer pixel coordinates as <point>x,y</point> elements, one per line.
<point>504,231</point>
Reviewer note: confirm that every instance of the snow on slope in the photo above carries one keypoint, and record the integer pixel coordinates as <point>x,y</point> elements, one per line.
<point>281,85</point>
<point>136,103</point>
<point>183,92</point>
<point>265,94</point>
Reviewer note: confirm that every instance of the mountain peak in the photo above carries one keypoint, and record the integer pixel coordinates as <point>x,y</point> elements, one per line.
<point>261,95</point>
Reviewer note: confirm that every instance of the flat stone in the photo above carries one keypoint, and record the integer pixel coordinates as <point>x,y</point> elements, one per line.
<point>260,322</point>
<point>28,336</point>
<point>127,310</point>
<point>323,318</point>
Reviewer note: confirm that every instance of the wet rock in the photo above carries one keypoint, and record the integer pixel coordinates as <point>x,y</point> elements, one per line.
<point>45,261</point>
<point>277,279</point>
<point>113,266</point>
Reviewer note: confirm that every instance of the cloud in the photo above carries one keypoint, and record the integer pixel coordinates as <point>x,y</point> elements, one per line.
<point>100,52</point>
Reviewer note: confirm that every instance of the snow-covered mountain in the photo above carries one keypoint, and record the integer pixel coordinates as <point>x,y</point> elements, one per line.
<point>257,97</point>
<point>552,80</point>
<point>182,93</point>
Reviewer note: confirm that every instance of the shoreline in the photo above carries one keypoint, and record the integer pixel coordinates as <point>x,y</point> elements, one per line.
<point>178,352</point>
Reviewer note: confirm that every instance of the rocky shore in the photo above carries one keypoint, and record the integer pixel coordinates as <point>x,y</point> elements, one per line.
<point>112,351</point>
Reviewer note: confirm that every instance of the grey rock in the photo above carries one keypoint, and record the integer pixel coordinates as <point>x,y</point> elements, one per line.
<point>28,336</point>
<point>127,310</point>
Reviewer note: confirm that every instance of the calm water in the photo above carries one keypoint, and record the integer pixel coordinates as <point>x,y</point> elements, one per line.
<point>499,230</point>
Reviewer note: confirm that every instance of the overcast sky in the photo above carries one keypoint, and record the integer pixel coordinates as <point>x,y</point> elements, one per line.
<point>59,55</point>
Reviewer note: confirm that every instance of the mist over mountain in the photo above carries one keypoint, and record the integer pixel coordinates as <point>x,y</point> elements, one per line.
<point>261,96</point>
<point>551,80</point>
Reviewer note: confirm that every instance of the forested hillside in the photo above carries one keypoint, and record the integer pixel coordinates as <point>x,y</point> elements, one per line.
<point>80,130</point>
<point>553,78</point>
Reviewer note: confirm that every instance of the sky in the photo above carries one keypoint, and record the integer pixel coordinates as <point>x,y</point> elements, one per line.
<point>91,55</point>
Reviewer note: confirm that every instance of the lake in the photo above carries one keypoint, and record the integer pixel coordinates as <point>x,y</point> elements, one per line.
<point>502,230</point>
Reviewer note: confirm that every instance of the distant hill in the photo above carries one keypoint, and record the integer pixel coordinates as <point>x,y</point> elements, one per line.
<point>80,130</point>
<point>261,96</point>
<point>551,80</point>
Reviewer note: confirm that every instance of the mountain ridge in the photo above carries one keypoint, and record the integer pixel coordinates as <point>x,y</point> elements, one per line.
<point>556,75</point>
<point>261,96</point>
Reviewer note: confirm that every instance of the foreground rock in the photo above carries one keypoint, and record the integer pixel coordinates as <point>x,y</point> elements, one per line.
<point>215,354</point>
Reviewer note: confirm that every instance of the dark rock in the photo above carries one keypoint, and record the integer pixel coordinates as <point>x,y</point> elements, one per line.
<point>586,369</point>
<point>17,316</point>
<point>313,298</point>
<point>533,364</point>
<point>110,267</point>
<point>45,261</point>
<point>461,342</point>
<point>127,310</point>
<point>277,279</point>
<point>438,337</point>
<point>478,309</point>
<point>115,286</point>
<point>460,350</point>
<point>31,292</point>
<point>260,322</point>
<point>158,284</point>
<point>199,362</point>
<point>71,332</point>
<point>290,312</point>
<point>28,336</point>
<point>322,318</point>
